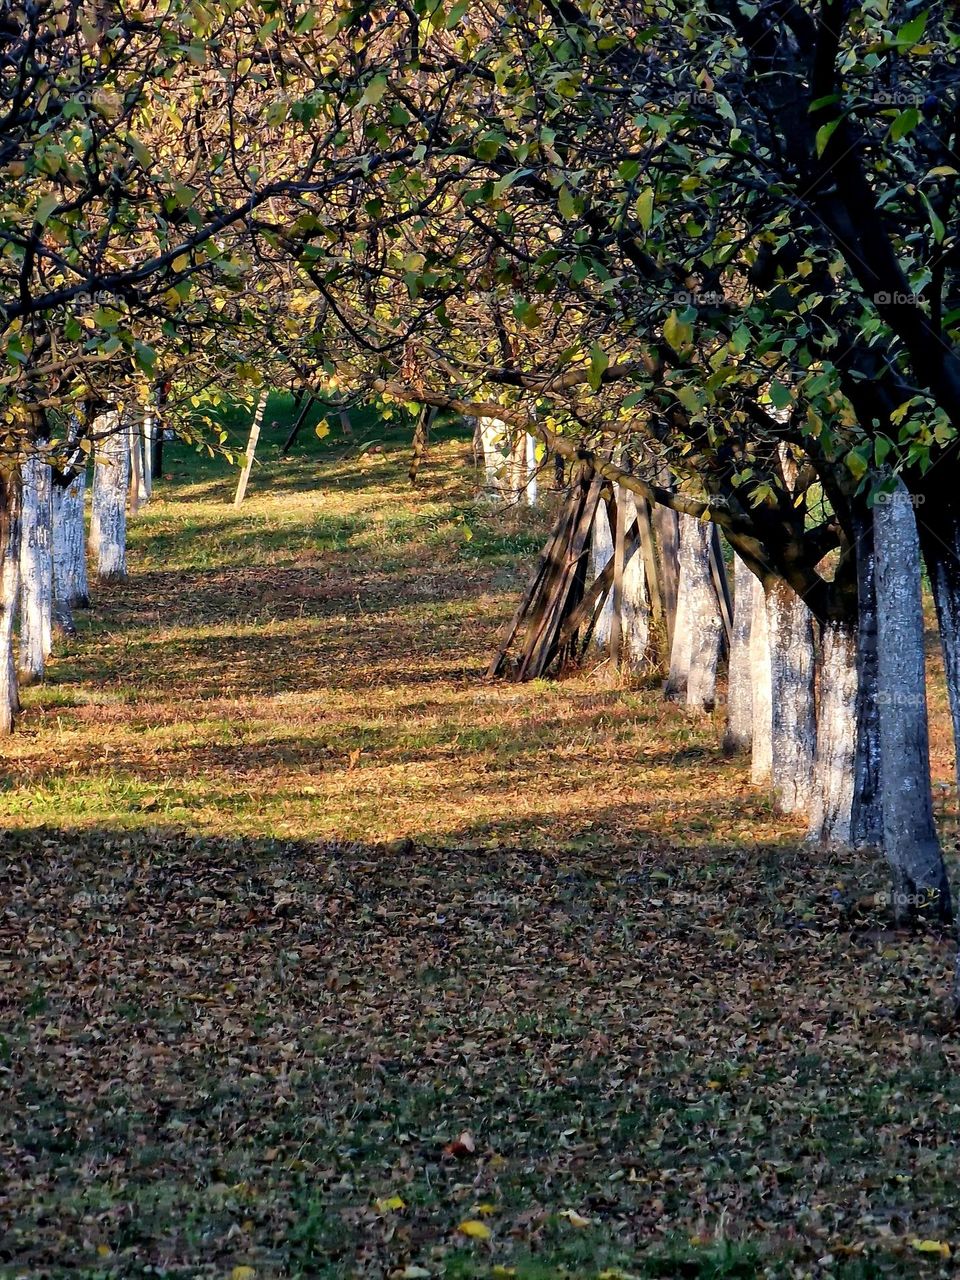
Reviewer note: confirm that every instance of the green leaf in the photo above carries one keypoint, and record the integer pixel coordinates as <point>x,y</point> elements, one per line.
<point>780,394</point>
<point>456,13</point>
<point>644,208</point>
<point>45,207</point>
<point>676,333</point>
<point>824,134</point>
<point>905,122</point>
<point>567,203</point>
<point>374,91</point>
<point>911,31</point>
<point>599,362</point>
<point>858,460</point>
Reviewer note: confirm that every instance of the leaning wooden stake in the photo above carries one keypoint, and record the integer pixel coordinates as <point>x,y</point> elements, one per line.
<point>251,448</point>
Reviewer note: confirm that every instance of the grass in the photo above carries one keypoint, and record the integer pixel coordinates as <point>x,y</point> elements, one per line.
<point>293,899</point>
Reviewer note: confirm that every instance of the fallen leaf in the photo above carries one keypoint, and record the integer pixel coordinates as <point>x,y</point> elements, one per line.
<point>477,1230</point>
<point>932,1246</point>
<point>575,1219</point>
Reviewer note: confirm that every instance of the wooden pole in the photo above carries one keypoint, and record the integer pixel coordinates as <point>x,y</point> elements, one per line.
<point>251,448</point>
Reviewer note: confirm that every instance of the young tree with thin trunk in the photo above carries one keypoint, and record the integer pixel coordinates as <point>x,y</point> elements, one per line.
<point>738,736</point>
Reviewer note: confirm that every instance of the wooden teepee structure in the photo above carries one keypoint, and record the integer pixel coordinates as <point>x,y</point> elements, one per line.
<point>559,609</point>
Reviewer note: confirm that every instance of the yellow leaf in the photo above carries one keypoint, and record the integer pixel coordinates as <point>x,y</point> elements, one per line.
<point>242,1273</point>
<point>932,1246</point>
<point>477,1230</point>
<point>575,1219</point>
<point>484,1210</point>
<point>503,1273</point>
<point>390,1204</point>
<point>104,1250</point>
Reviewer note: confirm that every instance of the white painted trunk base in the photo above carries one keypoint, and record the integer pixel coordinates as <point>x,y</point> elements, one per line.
<point>909,831</point>
<point>698,633</point>
<point>761,764</point>
<point>108,525</point>
<point>36,568</point>
<point>831,805</point>
<point>9,606</point>
<point>739,732</point>
<point>601,553</point>
<point>69,553</point>
<point>794,727</point>
<point>635,606</point>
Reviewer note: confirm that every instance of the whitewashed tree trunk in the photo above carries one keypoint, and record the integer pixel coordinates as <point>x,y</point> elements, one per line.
<point>9,604</point>
<point>761,764</point>
<point>635,604</point>
<point>909,831</point>
<point>866,822</point>
<point>601,553</point>
<point>792,672</point>
<point>251,454</point>
<point>698,633</point>
<point>69,553</point>
<point>146,474</point>
<point>532,482</point>
<point>36,568</point>
<point>108,525</point>
<point>495,460</point>
<point>831,808</point>
<point>739,732</point>
<point>136,463</point>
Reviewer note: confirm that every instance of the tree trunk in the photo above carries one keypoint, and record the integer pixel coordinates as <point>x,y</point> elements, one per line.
<point>251,449</point>
<point>36,568</point>
<point>909,831</point>
<point>866,821</point>
<point>136,464</point>
<point>146,476</point>
<point>495,460</point>
<point>69,552</point>
<point>9,599</point>
<point>761,763</point>
<point>666,524</point>
<point>532,480</point>
<point>635,607</point>
<point>421,439</point>
<point>601,553</point>
<point>739,733</point>
<point>698,629</point>
<point>831,808</point>
<point>108,524</point>
<point>794,728</point>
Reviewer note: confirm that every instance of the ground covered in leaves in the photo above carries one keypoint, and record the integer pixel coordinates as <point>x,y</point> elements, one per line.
<point>322,957</point>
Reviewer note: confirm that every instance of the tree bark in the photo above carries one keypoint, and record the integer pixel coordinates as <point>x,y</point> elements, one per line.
<point>252,441</point>
<point>136,464</point>
<point>635,607</point>
<point>909,832</point>
<point>495,459</point>
<point>831,808</point>
<point>532,488</point>
<point>794,725</point>
<point>601,553</point>
<point>866,820</point>
<point>739,733</point>
<point>69,553</point>
<point>36,568</point>
<point>698,631</point>
<point>9,598</point>
<point>108,524</point>
<point>761,763</point>
<point>146,474</point>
